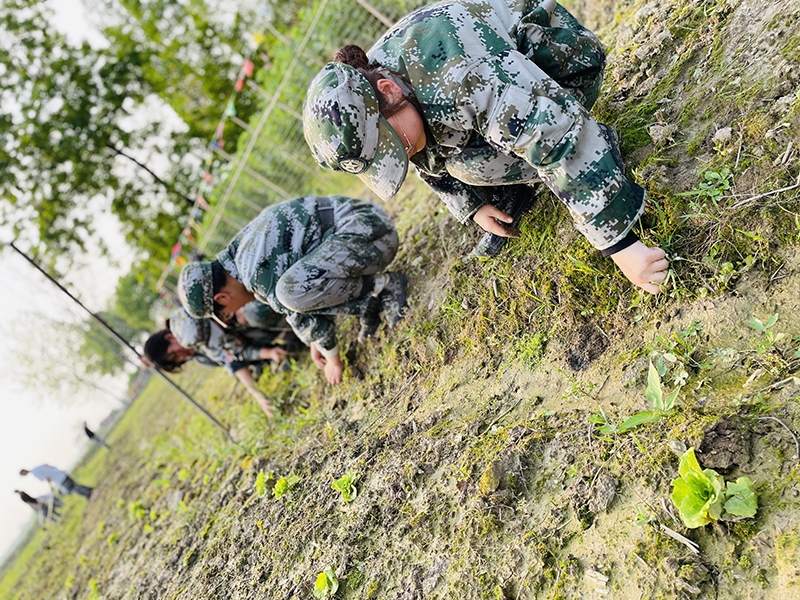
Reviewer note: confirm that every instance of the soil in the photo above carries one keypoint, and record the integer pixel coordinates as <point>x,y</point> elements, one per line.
<point>483,475</point>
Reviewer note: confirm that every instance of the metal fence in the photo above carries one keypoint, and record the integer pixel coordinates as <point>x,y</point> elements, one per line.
<point>272,161</point>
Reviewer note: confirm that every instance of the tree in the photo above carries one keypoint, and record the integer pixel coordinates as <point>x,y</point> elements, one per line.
<point>68,144</point>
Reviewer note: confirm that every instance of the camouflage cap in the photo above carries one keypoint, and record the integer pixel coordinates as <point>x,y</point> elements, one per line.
<point>196,289</point>
<point>346,132</point>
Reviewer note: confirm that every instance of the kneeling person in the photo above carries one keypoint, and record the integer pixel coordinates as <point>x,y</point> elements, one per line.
<point>310,258</point>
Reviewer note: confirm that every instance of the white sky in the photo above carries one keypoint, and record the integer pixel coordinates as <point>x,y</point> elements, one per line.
<point>37,428</point>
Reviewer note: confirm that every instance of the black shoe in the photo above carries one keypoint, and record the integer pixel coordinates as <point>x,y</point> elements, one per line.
<point>612,139</point>
<point>370,320</point>
<point>515,200</point>
<point>393,299</point>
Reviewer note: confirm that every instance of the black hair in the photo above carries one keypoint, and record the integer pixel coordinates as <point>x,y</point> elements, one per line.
<point>218,278</point>
<point>355,57</point>
<point>155,349</point>
<point>26,498</point>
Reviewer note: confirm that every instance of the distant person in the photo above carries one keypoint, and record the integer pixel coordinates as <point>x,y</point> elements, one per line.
<point>58,477</point>
<point>39,506</point>
<point>93,436</point>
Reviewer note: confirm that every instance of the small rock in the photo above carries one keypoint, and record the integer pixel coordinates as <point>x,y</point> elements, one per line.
<point>605,489</point>
<point>723,135</point>
<point>677,447</point>
<point>662,134</point>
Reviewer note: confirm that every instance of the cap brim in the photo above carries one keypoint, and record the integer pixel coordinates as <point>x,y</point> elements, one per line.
<point>389,166</point>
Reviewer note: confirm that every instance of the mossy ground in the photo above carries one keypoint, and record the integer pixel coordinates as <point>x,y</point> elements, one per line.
<point>481,473</point>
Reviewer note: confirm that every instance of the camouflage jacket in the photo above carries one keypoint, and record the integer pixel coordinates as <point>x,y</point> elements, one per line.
<point>211,343</point>
<point>504,88</point>
<point>265,249</point>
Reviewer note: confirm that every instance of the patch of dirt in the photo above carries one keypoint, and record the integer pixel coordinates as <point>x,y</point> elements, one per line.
<point>725,445</point>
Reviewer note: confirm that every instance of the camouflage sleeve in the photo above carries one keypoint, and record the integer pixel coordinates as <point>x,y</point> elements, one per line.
<point>314,328</point>
<point>460,198</point>
<point>520,110</point>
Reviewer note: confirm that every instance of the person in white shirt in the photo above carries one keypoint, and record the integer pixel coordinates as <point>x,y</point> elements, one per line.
<point>59,478</point>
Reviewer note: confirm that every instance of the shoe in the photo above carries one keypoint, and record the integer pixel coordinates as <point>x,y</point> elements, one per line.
<point>612,139</point>
<point>394,299</point>
<point>515,202</point>
<point>370,320</point>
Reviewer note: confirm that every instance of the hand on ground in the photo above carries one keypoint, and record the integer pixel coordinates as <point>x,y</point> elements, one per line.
<point>317,357</point>
<point>485,217</point>
<point>644,267</point>
<point>264,404</point>
<point>276,354</point>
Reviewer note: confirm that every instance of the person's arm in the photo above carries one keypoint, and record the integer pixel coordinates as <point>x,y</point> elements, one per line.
<point>319,332</point>
<point>559,138</point>
<point>246,378</point>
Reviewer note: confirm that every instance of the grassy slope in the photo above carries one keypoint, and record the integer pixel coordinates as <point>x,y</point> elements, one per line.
<point>481,475</point>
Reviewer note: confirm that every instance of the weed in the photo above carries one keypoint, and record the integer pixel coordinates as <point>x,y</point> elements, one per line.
<point>660,404</point>
<point>347,486</point>
<point>768,339</point>
<point>136,510</point>
<point>642,518</point>
<point>715,185</point>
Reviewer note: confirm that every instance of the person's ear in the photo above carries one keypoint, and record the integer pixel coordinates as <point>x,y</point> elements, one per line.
<point>390,90</point>
<point>222,298</point>
<point>169,337</point>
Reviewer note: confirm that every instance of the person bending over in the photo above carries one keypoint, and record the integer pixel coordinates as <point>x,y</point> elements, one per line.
<point>309,258</point>
<point>204,340</point>
<point>484,97</point>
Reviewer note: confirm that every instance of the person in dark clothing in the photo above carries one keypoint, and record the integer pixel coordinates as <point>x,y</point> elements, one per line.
<point>39,507</point>
<point>93,436</point>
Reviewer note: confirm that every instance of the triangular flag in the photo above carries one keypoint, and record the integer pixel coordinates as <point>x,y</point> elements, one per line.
<point>230,110</point>
<point>239,85</point>
<point>259,38</point>
<point>247,67</point>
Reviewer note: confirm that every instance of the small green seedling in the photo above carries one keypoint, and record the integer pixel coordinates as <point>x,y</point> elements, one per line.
<point>768,339</point>
<point>662,406</point>
<point>347,486</point>
<point>285,485</point>
<point>262,483</point>
<point>642,518</point>
<point>326,584</point>
<point>702,497</point>
<point>715,185</point>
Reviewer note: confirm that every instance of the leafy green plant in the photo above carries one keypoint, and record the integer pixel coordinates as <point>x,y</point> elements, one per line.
<point>326,584</point>
<point>262,483</point>
<point>768,338</point>
<point>715,185</point>
<point>347,486</point>
<point>285,485</point>
<point>701,495</point>
<point>662,406</point>
<point>136,510</point>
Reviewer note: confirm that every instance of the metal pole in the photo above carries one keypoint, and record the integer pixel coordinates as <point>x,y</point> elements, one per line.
<point>121,340</point>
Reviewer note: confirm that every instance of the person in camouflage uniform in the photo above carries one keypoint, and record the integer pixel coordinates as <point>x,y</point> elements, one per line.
<point>236,348</point>
<point>309,258</point>
<point>479,94</point>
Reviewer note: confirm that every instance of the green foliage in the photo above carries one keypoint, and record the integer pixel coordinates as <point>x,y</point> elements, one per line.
<point>662,406</point>
<point>262,483</point>
<point>702,497</point>
<point>769,338</point>
<point>347,486</point>
<point>136,510</point>
<point>715,185</point>
<point>642,518</point>
<point>326,584</point>
<point>285,485</point>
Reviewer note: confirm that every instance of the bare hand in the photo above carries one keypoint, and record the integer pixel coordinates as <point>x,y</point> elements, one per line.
<point>644,267</point>
<point>485,217</point>
<point>263,403</point>
<point>276,354</point>
<point>334,369</point>
<point>317,357</point>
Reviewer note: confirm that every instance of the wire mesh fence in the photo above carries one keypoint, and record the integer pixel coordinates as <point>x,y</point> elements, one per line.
<point>272,161</point>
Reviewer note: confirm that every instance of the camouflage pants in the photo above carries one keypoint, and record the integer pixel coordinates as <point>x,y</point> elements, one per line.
<point>335,278</point>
